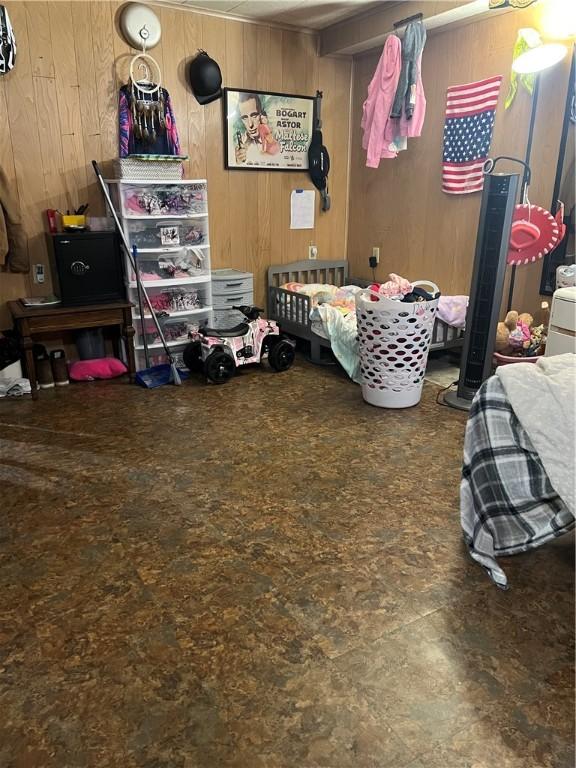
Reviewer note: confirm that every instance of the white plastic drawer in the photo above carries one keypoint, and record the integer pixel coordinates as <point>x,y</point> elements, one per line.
<point>157,356</point>
<point>184,265</point>
<point>158,200</point>
<point>563,314</point>
<point>149,234</point>
<point>175,328</point>
<point>175,300</point>
<point>559,343</point>
<point>232,285</point>
<point>231,299</point>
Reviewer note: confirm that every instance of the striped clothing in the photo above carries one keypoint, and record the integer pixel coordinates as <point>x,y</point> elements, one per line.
<point>470,111</point>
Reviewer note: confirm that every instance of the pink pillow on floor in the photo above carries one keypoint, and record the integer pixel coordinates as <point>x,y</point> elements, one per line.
<point>100,368</point>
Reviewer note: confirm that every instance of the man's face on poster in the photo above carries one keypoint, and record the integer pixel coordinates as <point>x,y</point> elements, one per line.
<point>250,117</point>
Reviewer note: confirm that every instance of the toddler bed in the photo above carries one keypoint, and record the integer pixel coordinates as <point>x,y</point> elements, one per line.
<point>292,310</point>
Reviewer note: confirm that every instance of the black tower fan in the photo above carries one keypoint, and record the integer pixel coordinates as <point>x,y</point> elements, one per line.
<point>498,202</point>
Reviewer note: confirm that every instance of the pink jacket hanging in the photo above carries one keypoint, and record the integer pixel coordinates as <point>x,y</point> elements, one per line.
<point>377,107</point>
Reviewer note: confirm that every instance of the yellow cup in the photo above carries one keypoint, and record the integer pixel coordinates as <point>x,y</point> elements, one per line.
<point>73,221</point>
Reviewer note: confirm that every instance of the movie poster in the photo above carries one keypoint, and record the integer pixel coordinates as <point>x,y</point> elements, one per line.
<point>267,131</point>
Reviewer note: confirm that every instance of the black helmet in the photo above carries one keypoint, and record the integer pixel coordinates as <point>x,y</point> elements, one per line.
<point>205,78</point>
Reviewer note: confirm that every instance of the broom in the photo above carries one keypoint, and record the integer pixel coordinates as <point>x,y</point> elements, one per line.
<point>174,375</point>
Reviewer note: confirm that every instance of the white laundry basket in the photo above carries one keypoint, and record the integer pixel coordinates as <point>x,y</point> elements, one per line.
<point>394,340</point>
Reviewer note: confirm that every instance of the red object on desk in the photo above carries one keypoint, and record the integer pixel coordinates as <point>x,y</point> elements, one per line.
<point>51,216</point>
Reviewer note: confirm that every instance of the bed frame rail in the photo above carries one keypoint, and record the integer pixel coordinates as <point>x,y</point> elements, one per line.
<point>308,271</point>
<point>291,310</point>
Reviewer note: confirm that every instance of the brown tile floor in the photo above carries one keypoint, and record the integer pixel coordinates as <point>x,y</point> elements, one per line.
<point>267,574</point>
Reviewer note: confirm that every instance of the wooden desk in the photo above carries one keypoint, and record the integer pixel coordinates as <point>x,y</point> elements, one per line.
<point>31,321</point>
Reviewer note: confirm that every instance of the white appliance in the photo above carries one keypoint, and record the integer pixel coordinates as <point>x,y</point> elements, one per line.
<point>562,328</point>
<point>566,276</point>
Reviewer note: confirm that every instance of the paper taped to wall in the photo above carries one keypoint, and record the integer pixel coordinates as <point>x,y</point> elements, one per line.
<point>302,209</point>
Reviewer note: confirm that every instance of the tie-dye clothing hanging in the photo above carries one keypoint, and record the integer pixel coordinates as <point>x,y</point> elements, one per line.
<point>147,124</point>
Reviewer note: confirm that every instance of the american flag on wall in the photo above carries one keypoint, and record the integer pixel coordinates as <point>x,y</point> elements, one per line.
<point>470,111</point>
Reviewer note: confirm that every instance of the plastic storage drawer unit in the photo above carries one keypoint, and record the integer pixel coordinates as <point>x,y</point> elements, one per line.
<point>161,200</point>
<point>151,234</point>
<point>168,223</point>
<point>562,328</point>
<point>230,287</point>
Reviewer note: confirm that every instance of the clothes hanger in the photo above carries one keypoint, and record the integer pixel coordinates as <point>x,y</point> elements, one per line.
<point>151,83</point>
<point>145,77</point>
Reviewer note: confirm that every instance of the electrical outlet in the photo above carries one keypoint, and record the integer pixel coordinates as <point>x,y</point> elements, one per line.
<point>39,273</point>
<point>376,254</point>
<point>312,252</point>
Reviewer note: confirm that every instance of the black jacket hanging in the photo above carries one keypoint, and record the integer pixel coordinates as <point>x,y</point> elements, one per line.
<point>318,157</point>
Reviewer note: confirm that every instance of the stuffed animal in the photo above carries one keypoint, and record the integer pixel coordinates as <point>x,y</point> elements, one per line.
<point>524,325</point>
<point>516,337</point>
<point>503,332</point>
<point>537,345</point>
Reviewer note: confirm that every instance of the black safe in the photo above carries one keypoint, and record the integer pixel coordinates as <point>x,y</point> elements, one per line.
<point>87,268</point>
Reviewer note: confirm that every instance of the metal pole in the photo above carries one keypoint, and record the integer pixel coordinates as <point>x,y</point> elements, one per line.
<point>525,178</point>
<point>141,306</point>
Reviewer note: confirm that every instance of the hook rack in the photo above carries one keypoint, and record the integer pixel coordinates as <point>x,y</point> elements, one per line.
<point>408,20</point>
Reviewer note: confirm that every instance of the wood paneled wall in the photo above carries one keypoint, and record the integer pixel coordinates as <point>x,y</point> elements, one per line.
<point>58,111</point>
<point>422,232</point>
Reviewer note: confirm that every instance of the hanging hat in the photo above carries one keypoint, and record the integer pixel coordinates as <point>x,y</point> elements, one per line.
<point>205,78</point>
<point>535,232</point>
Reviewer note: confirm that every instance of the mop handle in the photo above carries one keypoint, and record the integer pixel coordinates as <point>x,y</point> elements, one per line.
<point>141,306</point>
<point>131,258</point>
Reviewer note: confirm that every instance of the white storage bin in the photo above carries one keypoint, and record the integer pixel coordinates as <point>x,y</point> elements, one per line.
<point>176,328</point>
<point>158,357</point>
<point>394,342</point>
<point>186,306</point>
<point>161,200</point>
<point>151,234</point>
<point>175,300</point>
<point>150,169</point>
<point>175,265</point>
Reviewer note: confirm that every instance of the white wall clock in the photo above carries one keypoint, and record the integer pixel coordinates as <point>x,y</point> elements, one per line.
<point>140,26</point>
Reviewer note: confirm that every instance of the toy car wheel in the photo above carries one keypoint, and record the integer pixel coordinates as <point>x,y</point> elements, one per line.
<point>281,355</point>
<point>192,356</point>
<point>219,367</point>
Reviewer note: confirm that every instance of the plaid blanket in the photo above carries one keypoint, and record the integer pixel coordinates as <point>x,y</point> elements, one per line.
<point>507,504</point>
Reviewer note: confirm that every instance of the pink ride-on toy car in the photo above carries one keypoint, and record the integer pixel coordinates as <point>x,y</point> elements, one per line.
<point>219,351</point>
